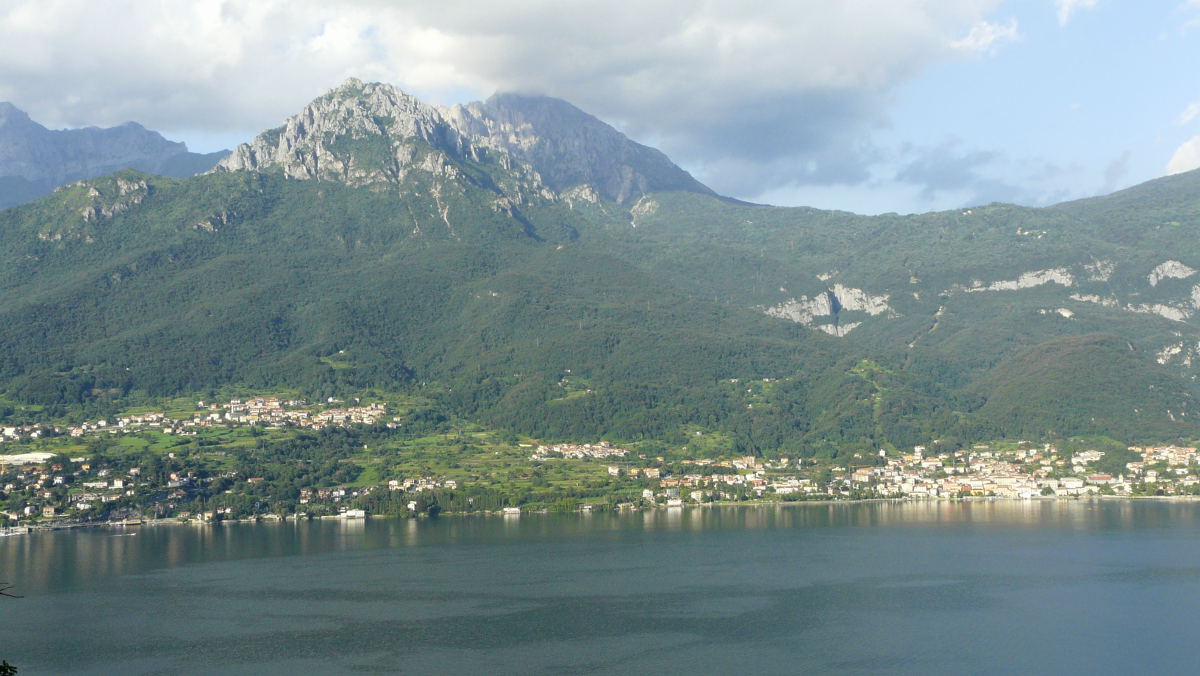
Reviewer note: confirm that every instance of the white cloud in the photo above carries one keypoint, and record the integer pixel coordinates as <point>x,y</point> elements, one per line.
<point>1192,24</point>
<point>1190,113</point>
<point>800,82</point>
<point>1066,8</point>
<point>1186,157</point>
<point>985,36</point>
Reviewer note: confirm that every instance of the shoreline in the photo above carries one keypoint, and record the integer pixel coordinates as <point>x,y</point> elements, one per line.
<point>29,529</point>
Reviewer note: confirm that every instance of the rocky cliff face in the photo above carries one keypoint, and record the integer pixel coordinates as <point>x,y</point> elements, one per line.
<point>34,160</point>
<point>368,133</point>
<point>569,148</point>
<point>358,134</point>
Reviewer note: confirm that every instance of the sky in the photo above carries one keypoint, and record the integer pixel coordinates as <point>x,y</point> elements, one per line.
<point>868,106</point>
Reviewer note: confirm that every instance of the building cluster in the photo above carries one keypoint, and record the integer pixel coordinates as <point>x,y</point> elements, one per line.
<point>19,432</point>
<point>36,486</point>
<point>272,411</point>
<point>47,489</point>
<point>425,483</point>
<point>978,472</point>
<point>579,451</point>
<point>265,411</point>
<point>332,493</point>
<point>740,478</point>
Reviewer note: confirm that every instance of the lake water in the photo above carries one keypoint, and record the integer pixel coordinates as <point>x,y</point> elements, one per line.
<point>879,588</point>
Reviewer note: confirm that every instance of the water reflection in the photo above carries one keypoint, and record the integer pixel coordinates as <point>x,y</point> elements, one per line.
<point>938,587</point>
<point>49,562</point>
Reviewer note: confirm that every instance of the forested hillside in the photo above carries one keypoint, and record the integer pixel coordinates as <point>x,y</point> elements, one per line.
<point>382,245</point>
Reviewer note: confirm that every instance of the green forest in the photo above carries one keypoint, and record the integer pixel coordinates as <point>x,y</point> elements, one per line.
<point>562,322</point>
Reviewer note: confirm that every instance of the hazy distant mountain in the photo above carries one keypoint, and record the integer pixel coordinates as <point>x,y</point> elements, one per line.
<point>34,160</point>
<point>569,148</point>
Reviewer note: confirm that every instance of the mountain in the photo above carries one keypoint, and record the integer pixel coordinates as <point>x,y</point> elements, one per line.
<point>364,134</point>
<point>570,149</point>
<point>34,160</point>
<point>1012,276</point>
<point>534,269</point>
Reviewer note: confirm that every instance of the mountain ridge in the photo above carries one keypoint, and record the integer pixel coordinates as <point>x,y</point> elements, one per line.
<point>424,248</point>
<point>34,159</point>
<point>557,149</point>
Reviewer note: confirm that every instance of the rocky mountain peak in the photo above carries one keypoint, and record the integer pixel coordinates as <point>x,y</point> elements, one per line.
<point>364,133</point>
<point>375,108</point>
<point>358,133</point>
<point>570,148</point>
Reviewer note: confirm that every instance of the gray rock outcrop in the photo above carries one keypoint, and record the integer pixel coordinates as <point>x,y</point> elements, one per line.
<point>365,133</point>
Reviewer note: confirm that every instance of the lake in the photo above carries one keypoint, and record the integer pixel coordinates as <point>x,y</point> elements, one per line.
<point>871,588</point>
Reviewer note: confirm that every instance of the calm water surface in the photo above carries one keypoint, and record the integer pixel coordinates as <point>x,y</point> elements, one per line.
<point>984,587</point>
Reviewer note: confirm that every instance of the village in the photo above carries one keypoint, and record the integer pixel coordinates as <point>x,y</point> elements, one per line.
<point>270,412</point>
<point>41,488</point>
<point>1021,473</point>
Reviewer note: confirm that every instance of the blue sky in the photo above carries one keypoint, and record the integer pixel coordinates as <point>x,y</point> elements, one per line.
<point>1062,111</point>
<point>863,105</point>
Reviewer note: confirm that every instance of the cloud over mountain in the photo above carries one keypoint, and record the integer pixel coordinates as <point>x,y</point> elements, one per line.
<point>1186,157</point>
<point>717,86</point>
